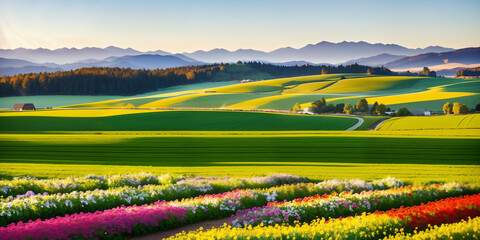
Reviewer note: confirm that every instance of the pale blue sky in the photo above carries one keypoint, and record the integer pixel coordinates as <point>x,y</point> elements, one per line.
<point>180,25</point>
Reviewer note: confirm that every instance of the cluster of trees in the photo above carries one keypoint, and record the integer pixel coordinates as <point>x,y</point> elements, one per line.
<point>458,108</point>
<point>321,106</point>
<point>425,72</point>
<point>100,80</point>
<point>468,72</point>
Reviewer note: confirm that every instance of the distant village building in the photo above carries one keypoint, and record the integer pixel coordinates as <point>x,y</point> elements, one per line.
<point>421,112</point>
<point>307,110</point>
<point>23,107</point>
<point>250,80</point>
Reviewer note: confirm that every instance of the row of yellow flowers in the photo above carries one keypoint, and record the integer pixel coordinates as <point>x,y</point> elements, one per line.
<point>365,226</point>
<point>469,229</point>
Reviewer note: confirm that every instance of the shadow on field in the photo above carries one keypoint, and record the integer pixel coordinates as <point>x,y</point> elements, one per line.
<point>246,151</point>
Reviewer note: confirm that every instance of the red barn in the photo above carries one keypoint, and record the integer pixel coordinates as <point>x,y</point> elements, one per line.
<point>23,106</point>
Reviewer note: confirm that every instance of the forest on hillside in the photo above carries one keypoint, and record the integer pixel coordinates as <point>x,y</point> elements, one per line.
<point>126,81</point>
<point>468,72</point>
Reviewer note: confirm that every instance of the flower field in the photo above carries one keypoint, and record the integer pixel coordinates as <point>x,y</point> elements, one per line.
<point>278,206</point>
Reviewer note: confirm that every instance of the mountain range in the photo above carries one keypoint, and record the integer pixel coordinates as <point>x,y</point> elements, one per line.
<point>21,60</point>
<point>148,61</point>
<point>463,56</point>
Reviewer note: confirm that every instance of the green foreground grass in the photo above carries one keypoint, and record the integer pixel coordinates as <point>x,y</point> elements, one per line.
<point>175,121</point>
<point>413,159</point>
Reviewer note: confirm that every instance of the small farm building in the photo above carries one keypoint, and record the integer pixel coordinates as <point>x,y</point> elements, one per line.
<point>421,112</point>
<point>23,106</point>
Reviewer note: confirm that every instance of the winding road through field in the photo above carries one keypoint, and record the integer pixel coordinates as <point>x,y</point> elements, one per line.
<point>359,123</point>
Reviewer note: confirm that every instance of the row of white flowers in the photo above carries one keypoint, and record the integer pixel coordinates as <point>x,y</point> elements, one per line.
<point>18,187</point>
<point>51,205</point>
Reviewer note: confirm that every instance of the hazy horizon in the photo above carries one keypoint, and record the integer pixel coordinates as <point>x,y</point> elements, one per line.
<point>148,50</point>
<point>186,26</point>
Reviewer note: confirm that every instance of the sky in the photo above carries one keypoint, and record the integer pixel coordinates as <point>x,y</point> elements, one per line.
<point>185,26</point>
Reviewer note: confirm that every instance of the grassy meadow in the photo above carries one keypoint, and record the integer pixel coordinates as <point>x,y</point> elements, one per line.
<point>129,135</point>
<point>318,155</point>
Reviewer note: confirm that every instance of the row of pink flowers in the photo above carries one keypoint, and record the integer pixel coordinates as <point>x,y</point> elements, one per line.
<point>91,225</point>
<point>123,220</point>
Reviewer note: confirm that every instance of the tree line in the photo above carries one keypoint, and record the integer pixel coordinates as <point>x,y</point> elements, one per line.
<point>321,107</point>
<point>468,72</point>
<point>104,81</point>
<point>126,81</point>
<point>458,108</point>
<point>287,71</point>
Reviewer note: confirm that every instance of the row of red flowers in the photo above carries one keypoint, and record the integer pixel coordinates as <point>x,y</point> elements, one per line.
<point>448,210</point>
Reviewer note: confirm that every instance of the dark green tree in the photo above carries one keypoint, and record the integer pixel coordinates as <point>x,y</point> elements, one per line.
<point>381,109</point>
<point>339,107</point>
<point>362,105</point>
<point>403,112</point>
<point>369,71</point>
<point>330,108</point>
<point>373,109</point>
<point>319,106</point>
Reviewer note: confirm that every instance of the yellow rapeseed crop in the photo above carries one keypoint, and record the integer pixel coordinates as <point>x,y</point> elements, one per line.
<point>170,101</point>
<point>365,84</point>
<point>471,121</point>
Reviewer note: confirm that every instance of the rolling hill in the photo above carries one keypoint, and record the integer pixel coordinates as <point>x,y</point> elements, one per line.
<point>415,93</point>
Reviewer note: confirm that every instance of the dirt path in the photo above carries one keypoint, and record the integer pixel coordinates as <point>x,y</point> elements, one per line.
<point>165,234</point>
<point>360,122</point>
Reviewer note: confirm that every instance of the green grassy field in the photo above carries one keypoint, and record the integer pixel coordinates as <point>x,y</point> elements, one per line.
<point>169,121</point>
<point>322,156</point>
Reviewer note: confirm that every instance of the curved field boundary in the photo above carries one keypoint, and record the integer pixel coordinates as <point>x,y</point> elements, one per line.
<point>379,123</point>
